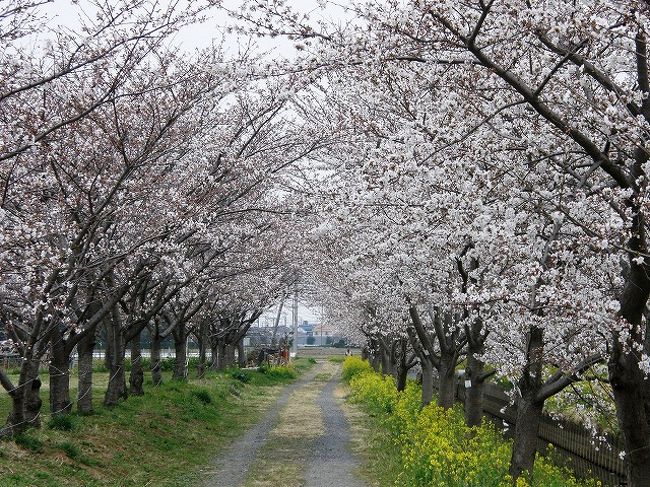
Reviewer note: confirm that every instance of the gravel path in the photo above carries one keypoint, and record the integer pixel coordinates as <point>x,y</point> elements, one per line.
<point>332,463</point>
<point>231,468</point>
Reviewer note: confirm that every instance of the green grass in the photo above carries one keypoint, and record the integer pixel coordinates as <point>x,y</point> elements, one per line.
<point>162,438</point>
<point>337,359</point>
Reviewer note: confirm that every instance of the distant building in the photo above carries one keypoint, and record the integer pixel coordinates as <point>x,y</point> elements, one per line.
<point>317,335</point>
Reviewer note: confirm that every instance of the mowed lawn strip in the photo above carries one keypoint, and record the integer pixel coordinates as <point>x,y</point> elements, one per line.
<point>161,438</point>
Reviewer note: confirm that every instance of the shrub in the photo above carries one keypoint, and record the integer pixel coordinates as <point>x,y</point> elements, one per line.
<point>281,372</point>
<point>311,360</point>
<point>28,442</point>
<point>278,373</point>
<point>240,375</point>
<point>353,366</point>
<point>434,445</point>
<point>202,395</point>
<point>61,423</point>
<point>71,450</point>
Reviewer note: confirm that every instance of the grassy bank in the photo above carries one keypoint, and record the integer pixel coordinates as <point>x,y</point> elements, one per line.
<point>411,446</point>
<point>161,438</point>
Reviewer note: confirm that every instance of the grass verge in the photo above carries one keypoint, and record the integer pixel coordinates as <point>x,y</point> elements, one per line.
<point>161,438</point>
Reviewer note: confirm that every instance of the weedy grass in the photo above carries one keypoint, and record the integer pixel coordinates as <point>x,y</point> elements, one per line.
<point>413,446</point>
<point>162,438</point>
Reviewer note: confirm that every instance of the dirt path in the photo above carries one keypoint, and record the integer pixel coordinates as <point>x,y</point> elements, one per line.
<point>332,463</point>
<point>231,469</point>
<point>302,441</point>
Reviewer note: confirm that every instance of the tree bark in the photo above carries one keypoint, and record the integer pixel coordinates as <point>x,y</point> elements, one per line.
<point>524,448</point>
<point>85,349</point>
<point>16,422</point>
<point>241,354</point>
<point>116,389</point>
<point>156,365</point>
<point>33,402</point>
<point>427,383</point>
<point>214,349</point>
<point>228,356</point>
<point>475,384</point>
<point>136,377</point>
<point>529,406</point>
<point>376,361</point>
<point>400,378</point>
<point>628,382</point>
<point>60,403</point>
<point>25,401</point>
<point>180,347</point>
<point>385,360</point>
<point>447,381</point>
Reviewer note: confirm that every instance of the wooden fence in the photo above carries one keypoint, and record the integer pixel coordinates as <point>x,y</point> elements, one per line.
<point>573,445</point>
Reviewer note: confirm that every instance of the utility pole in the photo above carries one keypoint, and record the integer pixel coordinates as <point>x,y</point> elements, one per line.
<point>294,316</point>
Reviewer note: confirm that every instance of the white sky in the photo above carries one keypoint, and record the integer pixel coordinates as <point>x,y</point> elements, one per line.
<point>65,12</point>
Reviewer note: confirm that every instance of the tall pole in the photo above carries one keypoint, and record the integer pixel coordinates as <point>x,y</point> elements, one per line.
<point>294,317</point>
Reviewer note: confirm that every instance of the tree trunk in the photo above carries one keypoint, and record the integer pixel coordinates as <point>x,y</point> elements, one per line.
<point>226,356</point>
<point>427,383</point>
<point>180,347</point>
<point>60,403</point>
<point>156,365</point>
<point>385,361</point>
<point>524,448</point>
<point>203,345</point>
<point>214,349</point>
<point>136,378</point>
<point>241,354</point>
<point>628,382</point>
<point>25,400</point>
<point>85,349</point>
<point>117,377</point>
<point>16,420</point>
<point>400,378</point>
<point>376,361</point>
<point>529,408</point>
<point>33,402</point>
<point>632,418</point>
<point>474,385</point>
<point>446,381</point>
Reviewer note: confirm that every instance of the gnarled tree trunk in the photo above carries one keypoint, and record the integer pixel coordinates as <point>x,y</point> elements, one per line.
<point>180,347</point>
<point>427,382</point>
<point>116,390</point>
<point>241,354</point>
<point>447,380</point>
<point>524,448</point>
<point>85,349</point>
<point>60,403</point>
<point>136,377</point>
<point>474,385</point>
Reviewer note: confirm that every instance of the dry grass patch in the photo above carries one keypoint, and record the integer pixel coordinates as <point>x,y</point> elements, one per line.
<point>281,462</point>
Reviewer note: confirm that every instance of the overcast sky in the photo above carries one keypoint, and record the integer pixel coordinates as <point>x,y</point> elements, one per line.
<point>64,12</point>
